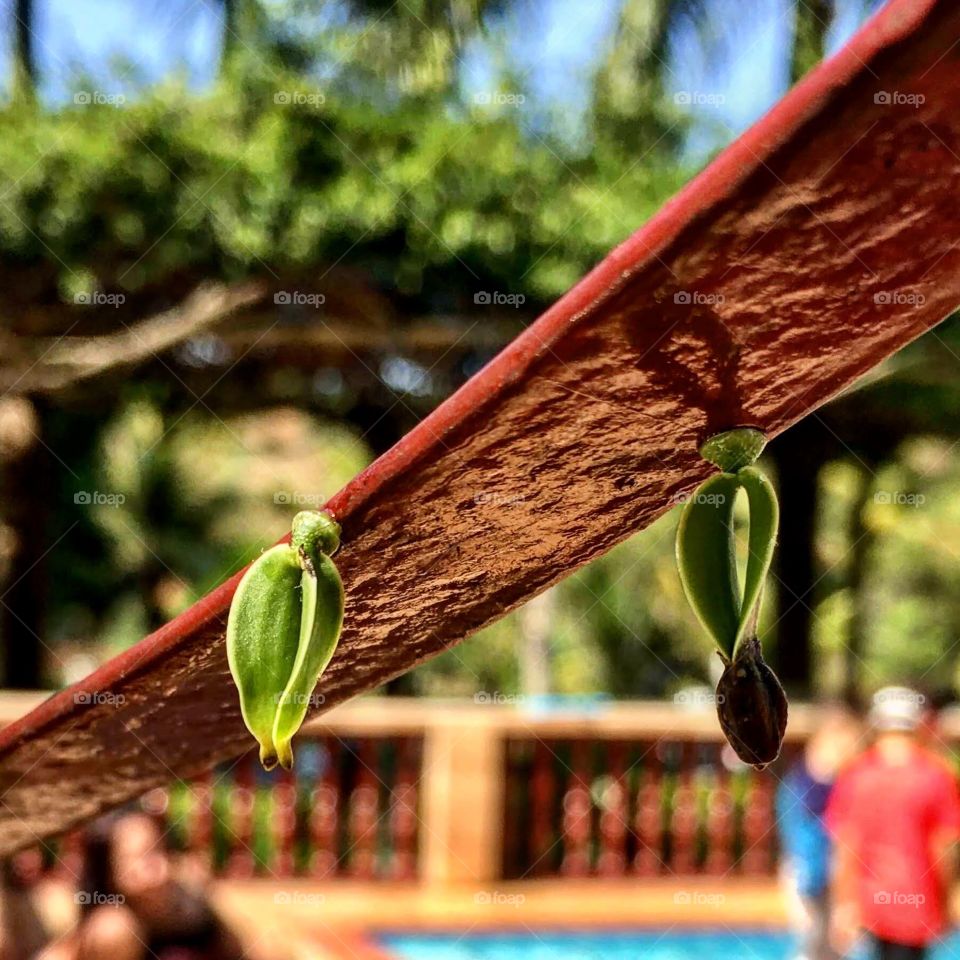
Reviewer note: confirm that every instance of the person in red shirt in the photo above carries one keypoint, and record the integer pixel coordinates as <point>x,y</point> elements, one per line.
<point>894,815</point>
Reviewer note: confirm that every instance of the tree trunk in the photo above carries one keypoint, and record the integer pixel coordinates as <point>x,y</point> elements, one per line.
<point>861,541</point>
<point>813,19</point>
<point>533,655</point>
<point>26,496</point>
<point>230,33</point>
<point>798,464</point>
<point>24,60</point>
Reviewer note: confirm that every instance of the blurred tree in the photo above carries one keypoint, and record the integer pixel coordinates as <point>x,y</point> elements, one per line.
<point>243,21</point>
<point>24,57</point>
<point>415,46</point>
<point>632,84</point>
<point>25,482</point>
<point>812,20</point>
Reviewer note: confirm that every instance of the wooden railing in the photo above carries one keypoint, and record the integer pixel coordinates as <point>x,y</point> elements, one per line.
<point>443,792</point>
<point>351,810</point>
<point>615,808</point>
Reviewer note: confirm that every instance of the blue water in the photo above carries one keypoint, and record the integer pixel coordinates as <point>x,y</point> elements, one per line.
<point>725,944</point>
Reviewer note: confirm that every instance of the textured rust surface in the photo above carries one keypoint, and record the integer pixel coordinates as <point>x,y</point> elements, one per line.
<point>817,244</point>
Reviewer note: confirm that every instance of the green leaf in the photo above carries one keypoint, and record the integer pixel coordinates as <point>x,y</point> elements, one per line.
<point>322,602</point>
<point>762,541</point>
<point>706,559</point>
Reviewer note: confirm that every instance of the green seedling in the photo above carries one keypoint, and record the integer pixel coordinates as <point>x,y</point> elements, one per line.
<point>751,705</point>
<point>283,628</point>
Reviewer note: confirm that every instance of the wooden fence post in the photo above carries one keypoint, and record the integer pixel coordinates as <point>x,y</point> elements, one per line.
<point>463,778</point>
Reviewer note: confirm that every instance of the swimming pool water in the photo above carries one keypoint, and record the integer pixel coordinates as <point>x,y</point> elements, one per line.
<point>627,945</point>
<point>622,945</point>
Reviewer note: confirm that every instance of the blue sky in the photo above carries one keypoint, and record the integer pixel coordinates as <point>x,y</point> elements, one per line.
<point>733,66</point>
<point>152,37</point>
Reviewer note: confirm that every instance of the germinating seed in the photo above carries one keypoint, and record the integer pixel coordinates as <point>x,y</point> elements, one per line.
<point>751,705</point>
<point>283,628</point>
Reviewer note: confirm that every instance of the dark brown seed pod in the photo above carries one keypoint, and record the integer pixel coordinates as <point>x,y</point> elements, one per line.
<point>752,706</point>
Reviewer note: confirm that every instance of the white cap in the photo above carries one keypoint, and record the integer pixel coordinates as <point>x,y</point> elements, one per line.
<point>897,708</point>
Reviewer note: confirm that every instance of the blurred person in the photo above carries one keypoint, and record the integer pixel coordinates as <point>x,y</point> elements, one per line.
<point>801,805</point>
<point>929,731</point>
<point>23,931</point>
<point>894,815</point>
<point>133,908</point>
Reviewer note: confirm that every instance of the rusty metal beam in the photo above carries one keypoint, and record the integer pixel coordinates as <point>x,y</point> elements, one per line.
<point>820,242</point>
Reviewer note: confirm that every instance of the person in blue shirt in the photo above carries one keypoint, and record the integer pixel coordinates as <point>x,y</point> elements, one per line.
<point>804,843</point>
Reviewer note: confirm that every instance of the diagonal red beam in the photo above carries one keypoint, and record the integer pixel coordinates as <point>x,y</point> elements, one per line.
<point>819,243</point>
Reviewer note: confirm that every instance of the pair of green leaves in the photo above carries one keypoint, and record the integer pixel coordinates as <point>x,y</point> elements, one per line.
<point>707,557</point>
<point>283,628</point>
<point>751,704</point>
